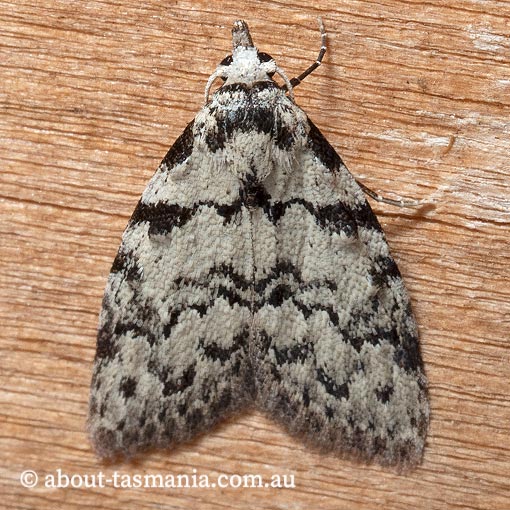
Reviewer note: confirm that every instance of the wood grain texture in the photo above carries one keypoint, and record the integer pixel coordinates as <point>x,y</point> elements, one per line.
<point>415,96</point>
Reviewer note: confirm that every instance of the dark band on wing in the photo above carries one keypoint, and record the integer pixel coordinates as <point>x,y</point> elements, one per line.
<point>163,217</point>
<point>182,148</point>
<point>338,218</point>
<point>322,149</point>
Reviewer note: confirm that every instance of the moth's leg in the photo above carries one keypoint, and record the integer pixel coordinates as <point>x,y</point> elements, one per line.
<point>402,202</point>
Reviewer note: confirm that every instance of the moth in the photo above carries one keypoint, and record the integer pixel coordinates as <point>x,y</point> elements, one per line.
<point>253,272</point>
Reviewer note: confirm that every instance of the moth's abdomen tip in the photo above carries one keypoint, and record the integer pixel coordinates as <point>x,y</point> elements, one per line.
<point>241,35</point>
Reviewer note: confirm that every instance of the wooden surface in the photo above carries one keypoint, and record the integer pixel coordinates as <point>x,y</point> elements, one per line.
<point>416,98</point>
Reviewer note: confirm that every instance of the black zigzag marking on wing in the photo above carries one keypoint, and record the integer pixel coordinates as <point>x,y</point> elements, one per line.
<point>279,286</point>
<point>407,352</point>
<point>229,290</point>
<point>125,262</point>
<point>105,348</point>
<point>407,355</point>
<point>338,217</point>
<point>283,292</point>
<point>172,383</point>
<point>215,352</point>
<point>111,328</point>
<point>135,328</point>
<point>175,312</point>
<point>285,268</point>
<point>229,295</point>
<point>334,217</point>
<point>365,217</point>
<point>163,217</point>
<point>331,385</point>
<point>286,289</point>
<point>297,353</point>
<point>227,271</point>
<point>383,270</point>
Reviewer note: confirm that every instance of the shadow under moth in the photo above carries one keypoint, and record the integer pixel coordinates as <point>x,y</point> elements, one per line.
<point>253,272</point>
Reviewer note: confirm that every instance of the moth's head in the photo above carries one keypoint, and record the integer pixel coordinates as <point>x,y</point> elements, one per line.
<point>246,64</point>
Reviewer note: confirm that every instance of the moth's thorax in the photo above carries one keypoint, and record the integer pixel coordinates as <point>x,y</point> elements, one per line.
<point>252,129</point>
<point>247,68</point>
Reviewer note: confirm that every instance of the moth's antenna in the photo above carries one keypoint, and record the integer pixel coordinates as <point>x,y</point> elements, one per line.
<point>296,81</point>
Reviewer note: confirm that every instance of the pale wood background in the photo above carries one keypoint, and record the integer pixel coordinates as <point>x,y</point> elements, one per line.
<point>416,98</point>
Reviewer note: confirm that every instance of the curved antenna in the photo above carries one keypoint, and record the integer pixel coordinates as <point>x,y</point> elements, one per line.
<point>210,81</point>
<point>288,83</point>
<point>296,81</point>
